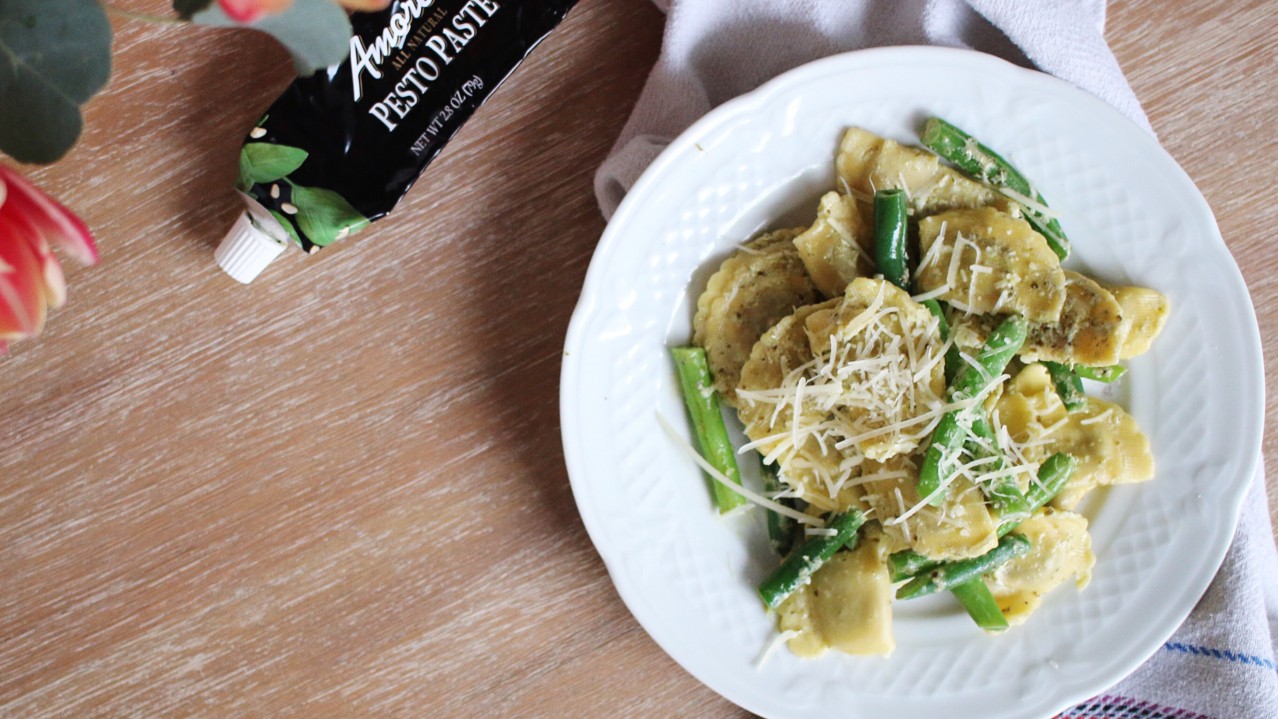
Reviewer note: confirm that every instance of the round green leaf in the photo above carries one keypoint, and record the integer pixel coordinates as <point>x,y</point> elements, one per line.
<point>54,56</point>
<point>324,215</point>
<point>264,162</point>
<point>281,218</point>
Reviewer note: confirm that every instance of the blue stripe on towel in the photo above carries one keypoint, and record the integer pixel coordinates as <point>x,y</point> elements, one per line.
<point>1225,654</point>
<point>1115,707</point>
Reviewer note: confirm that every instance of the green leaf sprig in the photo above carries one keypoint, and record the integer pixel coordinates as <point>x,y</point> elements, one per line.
<point>323,215</point>
<point>56,54</point>
<point>262,162</point>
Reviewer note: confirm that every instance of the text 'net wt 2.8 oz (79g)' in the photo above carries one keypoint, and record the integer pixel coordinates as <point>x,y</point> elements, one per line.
<point>339,149</point>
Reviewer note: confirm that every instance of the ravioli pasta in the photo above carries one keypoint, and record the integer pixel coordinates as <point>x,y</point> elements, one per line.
<point>839,378</point>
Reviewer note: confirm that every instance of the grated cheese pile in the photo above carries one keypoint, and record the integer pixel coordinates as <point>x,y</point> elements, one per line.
<point>872,390</point>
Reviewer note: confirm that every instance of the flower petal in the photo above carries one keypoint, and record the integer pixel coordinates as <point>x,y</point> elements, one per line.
<point>22,299</point>
<point>57,224</point>
<point>364,5</point>
<point>54,282</point>
<point>246,11</point>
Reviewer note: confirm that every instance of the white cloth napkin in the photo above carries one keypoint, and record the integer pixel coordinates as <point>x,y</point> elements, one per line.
<point>1221,664</point>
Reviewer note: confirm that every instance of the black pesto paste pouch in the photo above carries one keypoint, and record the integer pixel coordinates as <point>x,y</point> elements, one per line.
<point>338,149</point>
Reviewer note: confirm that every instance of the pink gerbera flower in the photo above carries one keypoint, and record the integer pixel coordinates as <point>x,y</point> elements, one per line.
<point>31,278</point>
<point>246,11</point>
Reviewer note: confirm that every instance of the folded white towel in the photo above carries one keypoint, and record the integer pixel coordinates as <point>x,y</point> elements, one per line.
<point>1221,664</point>
<point>715,50</point>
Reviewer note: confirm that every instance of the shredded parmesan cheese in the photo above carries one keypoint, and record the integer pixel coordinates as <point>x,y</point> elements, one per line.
<point>1102,417</point>
<point>1030,203</point>
<point>932,294</point>
<point>1056,425</point>
<point>900,503</point>
<point>773,645</point>
<point>870,388</point>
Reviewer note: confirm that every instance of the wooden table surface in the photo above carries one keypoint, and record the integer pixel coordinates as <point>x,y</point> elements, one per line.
<point>340,491</point>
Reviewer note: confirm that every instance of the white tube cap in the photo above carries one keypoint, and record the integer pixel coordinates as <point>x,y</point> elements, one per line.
<point>247,250</point>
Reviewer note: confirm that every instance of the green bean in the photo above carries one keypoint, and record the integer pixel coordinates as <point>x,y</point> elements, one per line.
<point>1053,475</point>
<point>782,530</point>
<point>1001,346</point>
<point>953,360</point>
<point>889,237</point>
<point>1100,374</point>
<point>946,439</point>
<point>797,568</point>
<point>951,574</point>
<point>1005,496</point>
<point>707,422</point>
<point>908,563</point>
<point>989,167</point>
<point>980,604</point>
<point>1068,386</point>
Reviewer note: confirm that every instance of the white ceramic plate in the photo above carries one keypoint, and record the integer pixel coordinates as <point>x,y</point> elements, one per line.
<point>760,162</point>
